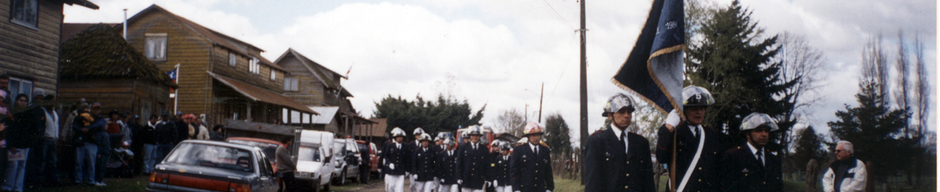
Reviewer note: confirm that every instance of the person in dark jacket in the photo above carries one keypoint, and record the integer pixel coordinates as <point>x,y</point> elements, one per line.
<point>26,129</point>
<point>750,167</point>
<point>617,159</point>
<point>166,136</point>
<point>501,178</point>
<point>492,173</point>
<point>447,167</point>
<point>690,135</point>
<point>365,166</point>
<point>412,146</point>
<point>530,163</point>
<point>146,136</point>
<point>182,128</point>
<point>473,162</point>
<point>394,161</point>
<point>86,127</point>
<point>285,165</point>
<point>42,168</point>
<point>217,134</point>
<point>422,166</point>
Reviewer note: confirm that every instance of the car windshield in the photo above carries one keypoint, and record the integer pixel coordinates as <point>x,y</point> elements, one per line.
<point>212,156</point>
<point>308,153</point>
<point>269,149</point>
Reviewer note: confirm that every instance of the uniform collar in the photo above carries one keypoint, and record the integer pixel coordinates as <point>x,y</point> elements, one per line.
<point>617,131</point>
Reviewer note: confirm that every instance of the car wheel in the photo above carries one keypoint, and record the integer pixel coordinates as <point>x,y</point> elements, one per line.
<point>326,187</point>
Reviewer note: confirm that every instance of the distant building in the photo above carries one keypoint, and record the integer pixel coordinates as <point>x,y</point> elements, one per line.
<point>321,90</point>
<point>29,42</point>
<point>219,76</point>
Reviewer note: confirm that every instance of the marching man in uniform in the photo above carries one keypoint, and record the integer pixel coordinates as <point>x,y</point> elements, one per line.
<point>422,168</point>
<point>447,168</point>
<point>436,148</point>
<point>530,163</point>
<point>472,162</point>
<point>617,159</point>
<point>501,180</point>
<point>412,146</point>
<point>696,146</point>
<point>750,167</point>
<point>394,161</point>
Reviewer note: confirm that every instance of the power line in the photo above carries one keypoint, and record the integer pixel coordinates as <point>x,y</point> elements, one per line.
<point>556,13</point>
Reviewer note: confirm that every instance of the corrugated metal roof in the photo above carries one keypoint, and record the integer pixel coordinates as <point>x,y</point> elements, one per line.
<point>260,94</point>
<point>327,114</point>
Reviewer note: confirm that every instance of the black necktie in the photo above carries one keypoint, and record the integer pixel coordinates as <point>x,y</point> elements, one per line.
<point>536,150</point>
<point>760,156</point>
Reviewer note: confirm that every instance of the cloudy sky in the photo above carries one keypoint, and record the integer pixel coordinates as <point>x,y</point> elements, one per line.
<point>498,53</point>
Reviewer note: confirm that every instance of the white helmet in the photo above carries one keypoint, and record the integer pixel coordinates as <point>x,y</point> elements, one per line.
<point>397,132</point>
<point>696,96</point>
<point>755,120</point>
<point>617,102</point>
<point>474,130</point>
<point>449,142</point>
<point>440,136</point>
<point>418,131</point>
<point>424,137</point>
<point>532,128</point>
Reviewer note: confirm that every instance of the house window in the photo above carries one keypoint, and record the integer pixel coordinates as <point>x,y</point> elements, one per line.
<point>290,83</point>
<point>232,59</point>
<point>18,87</point>
<point>24,12</point>
<point>156,46</point>
<point>273,75</point>
<point>253,66</point>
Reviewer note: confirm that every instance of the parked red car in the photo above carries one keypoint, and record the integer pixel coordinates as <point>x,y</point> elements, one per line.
<point>269,147</point>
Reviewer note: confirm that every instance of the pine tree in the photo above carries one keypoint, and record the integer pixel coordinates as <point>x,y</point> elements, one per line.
<point>444,115</point>
<point>808,146</point>
<point>556,134</point>
<point>735,63</point>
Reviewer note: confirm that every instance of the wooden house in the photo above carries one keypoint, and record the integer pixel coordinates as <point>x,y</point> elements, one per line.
<point>98,65</point>
<point>219,76</point>
<point>321,90</point>
<point>29,42</point>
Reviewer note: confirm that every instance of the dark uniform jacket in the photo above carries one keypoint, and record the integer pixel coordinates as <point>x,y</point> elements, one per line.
<point>742,172</point>
<point>531,172</point>
<point>423,164</point>
<point>447,168</point>
<point>472,165</point>
<point>166,133</point>
<point>705,175</point>
<point>412,146</point>
<point>609,167</point>
<point>501,170</point>
<point>492,173</point>
<point>392,154</point>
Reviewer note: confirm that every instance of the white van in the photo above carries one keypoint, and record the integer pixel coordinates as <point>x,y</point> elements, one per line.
<point>314,159</point>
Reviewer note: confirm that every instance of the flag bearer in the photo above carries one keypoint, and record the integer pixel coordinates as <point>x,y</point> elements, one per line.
<point>447,168</point>
<point>530,163</point>
<point>394,161</point>
<point>472,162</point>
<point>749,167</point>
<point>617,159</point>
<point>696,145</point>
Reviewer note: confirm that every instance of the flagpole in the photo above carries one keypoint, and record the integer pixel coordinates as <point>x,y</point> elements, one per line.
<point>176,91</point>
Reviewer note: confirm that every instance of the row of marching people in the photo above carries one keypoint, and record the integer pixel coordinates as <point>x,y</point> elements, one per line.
<point>441,165</point>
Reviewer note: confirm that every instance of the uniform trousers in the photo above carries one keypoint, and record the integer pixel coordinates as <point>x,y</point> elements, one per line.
<point>464,189</point>
<point>394,183</point>
<point>448,188</point>
<point>506,188</point>
<point>413,185</point>
<point>424,186</point>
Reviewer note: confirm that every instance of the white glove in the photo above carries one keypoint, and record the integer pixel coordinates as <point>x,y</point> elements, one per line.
<point>495,183</point>
<point>459,181</point>
<point>486,184</point>
<point>518,191</point>
<point>391,166</point>
<point>548,191</point>
<point>407,174</point>
<point>415,176</point>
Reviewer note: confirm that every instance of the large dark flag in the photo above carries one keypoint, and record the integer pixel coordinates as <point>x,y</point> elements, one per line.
<point>654,68</point>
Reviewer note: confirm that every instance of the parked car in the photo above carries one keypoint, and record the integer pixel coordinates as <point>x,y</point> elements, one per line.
<point>314,159</point>
<point>373,156</point>
<point>269,147</point>
<point>346,160</point>
<point>197,165</point>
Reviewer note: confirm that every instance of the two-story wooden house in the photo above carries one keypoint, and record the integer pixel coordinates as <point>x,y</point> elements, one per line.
<point>319,88</point>
<point>29,42</point>
<point>219,76</point>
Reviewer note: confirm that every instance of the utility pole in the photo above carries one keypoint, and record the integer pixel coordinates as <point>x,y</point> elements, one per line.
<point>541,95</point>
<point>584,123</point>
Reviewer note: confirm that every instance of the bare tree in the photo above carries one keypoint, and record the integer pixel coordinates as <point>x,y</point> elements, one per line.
<point>800,63</point>
<point>511,121</point>
<point>875,66</point>
<point>646,121</point>
<point>903,71</point>
<point>921,88</point>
